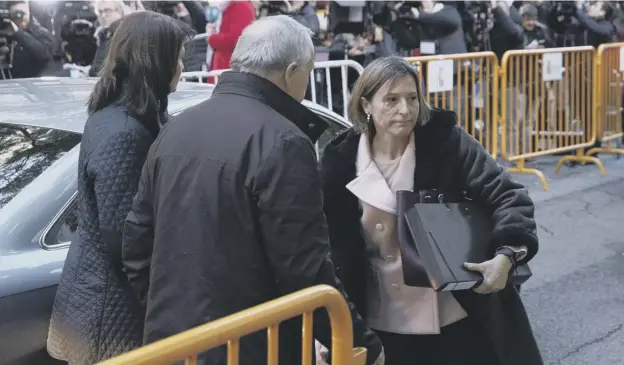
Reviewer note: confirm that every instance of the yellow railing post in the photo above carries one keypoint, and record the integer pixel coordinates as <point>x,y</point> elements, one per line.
<point>551,90</point>
<point>470,89</point>
<point>228,330</point>
<point>608,77</point>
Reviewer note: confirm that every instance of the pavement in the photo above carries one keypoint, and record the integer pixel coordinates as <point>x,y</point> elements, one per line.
<point>575,298</point>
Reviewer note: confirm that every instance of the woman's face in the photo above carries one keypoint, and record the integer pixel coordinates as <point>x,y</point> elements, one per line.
<point>178,72</point>
<point>394,108</point>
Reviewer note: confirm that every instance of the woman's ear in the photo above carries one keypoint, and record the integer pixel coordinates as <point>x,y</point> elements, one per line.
<point>365,105</point>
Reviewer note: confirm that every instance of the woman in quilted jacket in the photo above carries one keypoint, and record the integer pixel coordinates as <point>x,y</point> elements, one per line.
<point>96,315</point>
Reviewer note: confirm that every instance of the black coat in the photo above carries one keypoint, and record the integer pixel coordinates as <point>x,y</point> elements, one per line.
<point>229,215</point>
<point>33,51</point>
<point>450,160</point>
<point>96,315</point>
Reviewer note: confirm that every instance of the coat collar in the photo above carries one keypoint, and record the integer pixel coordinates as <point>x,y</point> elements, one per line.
<point>253,86</point>
<point>338,161</point>
<point>370,185</point>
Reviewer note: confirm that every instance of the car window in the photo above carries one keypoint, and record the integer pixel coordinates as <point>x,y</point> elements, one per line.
<point>329,134</point>
<point>334,128</point>
<point>64,226</point>
<point>26,152</point>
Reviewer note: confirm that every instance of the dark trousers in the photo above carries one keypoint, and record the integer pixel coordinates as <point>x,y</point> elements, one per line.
<point>460,343</point>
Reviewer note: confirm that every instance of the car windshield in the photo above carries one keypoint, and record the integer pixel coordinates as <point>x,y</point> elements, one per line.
<point>26,152</point>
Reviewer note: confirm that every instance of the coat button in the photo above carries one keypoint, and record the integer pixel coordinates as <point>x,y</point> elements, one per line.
<point>379,227</point>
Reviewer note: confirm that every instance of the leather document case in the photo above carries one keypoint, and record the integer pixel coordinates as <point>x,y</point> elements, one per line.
<point>448,235</point>
<point>414,273</point>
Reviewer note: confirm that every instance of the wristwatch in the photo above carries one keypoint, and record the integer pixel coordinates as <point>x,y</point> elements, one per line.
<point>509,253</point>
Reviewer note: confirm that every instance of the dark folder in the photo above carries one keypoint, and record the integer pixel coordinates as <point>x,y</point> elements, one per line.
<point>414,272</point>
<point>448,235</point>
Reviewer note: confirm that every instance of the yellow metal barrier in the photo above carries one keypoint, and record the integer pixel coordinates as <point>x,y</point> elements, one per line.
<point>467,84</point>
<point>230,329</point>
<point>608,101</point>
<point>546,98</point>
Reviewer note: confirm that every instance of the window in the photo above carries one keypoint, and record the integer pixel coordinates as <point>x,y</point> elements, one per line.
<point>26,152</point>
<point>64,228</point>
<point>330,133</point>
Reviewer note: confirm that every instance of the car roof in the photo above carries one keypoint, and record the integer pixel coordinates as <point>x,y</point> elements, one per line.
<point>60,102</point>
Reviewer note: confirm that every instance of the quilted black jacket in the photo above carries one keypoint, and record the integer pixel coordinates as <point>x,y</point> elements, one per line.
<point>95,314</point>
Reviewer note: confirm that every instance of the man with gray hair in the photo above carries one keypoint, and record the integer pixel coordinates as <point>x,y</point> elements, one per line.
<point>229,209</point>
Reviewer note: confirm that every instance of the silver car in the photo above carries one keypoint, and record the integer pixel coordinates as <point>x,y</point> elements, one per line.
<point>41,121</point>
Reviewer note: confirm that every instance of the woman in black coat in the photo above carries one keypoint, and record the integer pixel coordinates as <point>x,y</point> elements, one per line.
<point>398,143</point>
<point>96,315</point>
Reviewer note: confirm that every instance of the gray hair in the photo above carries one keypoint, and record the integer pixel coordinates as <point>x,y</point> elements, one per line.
<point>271,44</point>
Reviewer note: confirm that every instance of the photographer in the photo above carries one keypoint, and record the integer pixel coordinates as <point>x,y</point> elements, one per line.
<point>109,17</point>
<point>597,22</point>
<point>29,45</point>
<point>301,11</point>
<point>536,35</point>
<point>506,34</point>
<point>191,13</point>
<point>441,28</point>
<point>441,32</point>
<point>572,25</point>
<point>77,21</point>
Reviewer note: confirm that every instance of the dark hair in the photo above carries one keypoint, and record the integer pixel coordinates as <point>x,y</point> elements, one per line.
<point>375,75</point>
<point>141,62</point>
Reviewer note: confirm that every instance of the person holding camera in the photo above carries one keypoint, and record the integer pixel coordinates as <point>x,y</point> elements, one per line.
<point>576,25</point>
<point>109,17</point>
<point>30,45</point>
<point>597,21</point>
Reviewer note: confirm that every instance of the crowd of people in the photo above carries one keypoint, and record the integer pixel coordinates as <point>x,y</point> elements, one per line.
<point>40,36</point>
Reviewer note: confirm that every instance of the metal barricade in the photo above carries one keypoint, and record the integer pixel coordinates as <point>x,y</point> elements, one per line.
<point>468,85</point>
<point>608,84</point>
<point>321,75</point>
<point>200,36</point>
<point>200,75</point>
<point>546,98</point>
<point>229,330</point>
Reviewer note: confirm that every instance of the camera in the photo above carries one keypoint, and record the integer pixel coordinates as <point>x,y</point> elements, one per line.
<point>6,41</point>
<point>6,28</point>
<point>78,32</point>
<point>478,20</point>
<point>564,17</point>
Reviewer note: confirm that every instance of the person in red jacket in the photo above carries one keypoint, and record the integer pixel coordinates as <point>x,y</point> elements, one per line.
<point>223,35</point>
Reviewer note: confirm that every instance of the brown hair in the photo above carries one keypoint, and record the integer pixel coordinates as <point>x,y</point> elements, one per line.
<point>375,75</point>
<point>141,62</point>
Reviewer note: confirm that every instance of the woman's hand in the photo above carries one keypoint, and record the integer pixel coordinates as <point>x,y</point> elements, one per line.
<point>495,273</point>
